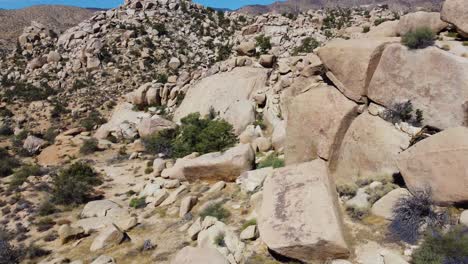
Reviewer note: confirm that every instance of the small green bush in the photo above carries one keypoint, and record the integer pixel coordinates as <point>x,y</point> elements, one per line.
<point>138,202</point>
<point>92,120</point>
<point>271,160</point>
<point>7,163</point>
<point>403,112</point>
<point>263,43</point>
<point>307,46</point>
<point>20,176</point>
<point>216,210</point>
<point>89,146</point>
<point>419,38</point>
<point>219,240</point>
<point>357,213</point>
<point>349,190</point>
<point>160,142</point>
<point>365,29</point>
<point>46,208</point>
<point>440,248</point>
<point>161,78</point>
<point>74,184</point>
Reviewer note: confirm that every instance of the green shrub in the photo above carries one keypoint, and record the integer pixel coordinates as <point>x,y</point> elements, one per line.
<point>50,135</point>
<point>357,213</point>
<point>92,120</point>
<point>380,191</point>
<point>379,21</point>
<point>263,43</point>
<point>28,92</point>
<point>7,163</point>
<point>8,253</point>
<point>20,176</point>
<point>138,202</point>
<point>439,248</point>
<point>349,190</point>
<point>161,28</point>
<point>271,160</point>
<point>465,43</point>
<point>160,142</point>
<point>307,46</point>
<point>403,112</point>
<point>249,223</point>
<point>89,146</point>
<point>216,210</point>
<point>202,135</point>
<point>161,78</point>
<point>74,184</point>
<point>219,240</point>
<point>365,29</point>
<point>419,38</point>
<point>46,208</point>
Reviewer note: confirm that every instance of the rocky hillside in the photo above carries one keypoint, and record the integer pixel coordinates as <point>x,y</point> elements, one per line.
<point>295,6</point>
<point>57,18</point>
<point>166,132</point>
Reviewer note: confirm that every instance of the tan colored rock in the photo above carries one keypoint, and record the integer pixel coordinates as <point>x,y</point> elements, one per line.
<point>148,126</point>
<point>300,217</point>
<point>368,150</point>
<point>67,233</point>
<point>107,238</point>
<point>317,120</point>
<point>385,29</point>
<point>246,48</point>
<point>217,166</point>
<point>384,206</point>
<point>438,163</point>
<point>456,12</point>
<point>352,63</point>
<point>419,19</point>
<point>421,76</point>
<point>186,205</point>
<point>191,255</point>
<point>267,61</point>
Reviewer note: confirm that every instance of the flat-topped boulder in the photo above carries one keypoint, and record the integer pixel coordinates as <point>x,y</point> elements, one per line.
<point>412,21</point>
<point>227,93</point>
<point>351,63</point>
<point>368,149</point>
<point>438,163</point>
<point>299,216</point>
<point>434,80</point>
<point>216,166</point>
<point>456,12</point>
<point>317,120</point>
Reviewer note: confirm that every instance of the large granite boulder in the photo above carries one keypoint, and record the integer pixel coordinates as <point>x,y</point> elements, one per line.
<point>216,166</point>
<point>434,80</point>
<point>438,163</point>
<point>351,63</point>
<point>317,121</point>
<point>385,29</point>
<point>227,93</point>
<point>415,20</point>
<point>300,217</point>
<point>369,149</point>
<point>191,255</point>
<point>150,125</point>
<point>456,12</point>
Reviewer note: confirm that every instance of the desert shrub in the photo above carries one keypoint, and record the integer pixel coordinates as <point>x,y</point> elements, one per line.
<point>45,224</point>
<point>20,176</point>
<point>58,109</point>
<point>202,135</point>
<point>50,135</point>
<point>307,46</point>
<point>28,92</point>
<point>380,191</point>
<point>219,240</point>
<point>349,190</point>
<point>411,213</point>
<point>148,170</point>
<point>379,21</point>
<point>271,160</point>
<point>46,208</point>
<point>89,146</point>
<point>5,129</point>
<point>419,38</point>
<point>403,112</point>
<point>465,43</point>
<point>33,251</point>
<point>224,51</point>
<point>357,213</point>
<point>365,29</point>
<point>160,142</point>
<point>5,112</point>
<point>263,43</point>
<point>74,184</point>
<point>161,78</point>
<point>440,248</point>
<point>138,202</point>
<point>216,210</point>
<point>161,28</point>
<point>7,163</point>
<point>8,253</point>
<point>93,119</point>
<point>249,223</point>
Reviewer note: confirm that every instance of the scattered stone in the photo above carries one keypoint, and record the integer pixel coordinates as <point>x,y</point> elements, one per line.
<point>384,206</point>
<point>107,238</point>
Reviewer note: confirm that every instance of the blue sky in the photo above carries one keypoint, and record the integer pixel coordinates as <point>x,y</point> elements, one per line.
<point>13,4</point>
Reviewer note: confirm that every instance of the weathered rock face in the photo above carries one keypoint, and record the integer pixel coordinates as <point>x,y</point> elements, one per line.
<point>217,166</point>
<point>456,12</point>
<point>386,29</point>
<point>33,144</point>
<point>148,126</point>
<point>368,150</point>
<point>351,63</point>
<point>226,93</point>
<point>317,121</point>
<point>108,237</point>
<point>422,77</point>
<point>416,20</point>
<point>439,163</point>
<point>384,206</point>
<point>299,215</point>
<point>191,255</point>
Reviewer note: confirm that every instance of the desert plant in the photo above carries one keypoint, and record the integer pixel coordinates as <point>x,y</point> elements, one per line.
<point>138,202</point>
<point>263,43</point>
<point>419,38</point>
<point>74,184</point>
<point>443,248</point>
<point>271,160</point>
<point>349,190</point>
<point>8,253</point>
<point>89,146</point>
<point>249,223</point>
<point>45,224</point>
<point>380,191</point>
<point>46,208</point>
<point>357,213</point>
<point>411,213</point>
<point>20,176</point>
<point>216,210</point>
<point>403,112</point>
<point>307,46</point>
<point>160,142</point>
<point>93,119</point>
<point>365,29</point>
<point>7,163</point>
<point>219,240</point>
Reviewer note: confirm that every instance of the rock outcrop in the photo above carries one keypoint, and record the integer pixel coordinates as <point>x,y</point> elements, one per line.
<point>456,12</point>
<point>191,255</point>
<point>299,216</point>
<point>415,20</point>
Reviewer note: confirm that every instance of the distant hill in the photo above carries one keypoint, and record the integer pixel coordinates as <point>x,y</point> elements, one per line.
<point>56,17</point>
<point>294,6</point>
